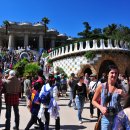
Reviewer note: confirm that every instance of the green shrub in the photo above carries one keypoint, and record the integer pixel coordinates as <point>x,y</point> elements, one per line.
<point>61,71</point>
<point>45,54</point>
<point>49,61</point>
<point>31,69</point>
<point>90,55</point>
<point>20,65</point>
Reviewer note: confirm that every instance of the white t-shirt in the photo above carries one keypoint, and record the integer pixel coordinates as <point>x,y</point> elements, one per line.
<point>93,83</point>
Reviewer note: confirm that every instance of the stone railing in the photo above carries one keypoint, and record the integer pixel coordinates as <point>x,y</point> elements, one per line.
<point>89,46</point>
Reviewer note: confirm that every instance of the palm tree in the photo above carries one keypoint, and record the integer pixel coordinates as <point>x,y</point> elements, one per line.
<point>86,32</point>
<point>45,21</point>
<point>110,30</point>
<point>6,24</point>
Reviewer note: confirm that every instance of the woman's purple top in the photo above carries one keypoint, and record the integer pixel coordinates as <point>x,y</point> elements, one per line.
<point>121,122</point>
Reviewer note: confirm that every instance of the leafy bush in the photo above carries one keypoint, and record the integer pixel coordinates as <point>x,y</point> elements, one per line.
<point>60,71</point>
<point>49,61</point>
<point>45,54</point>
<point>19,66</point>
<point>90,55</point>
<point>31,69</point>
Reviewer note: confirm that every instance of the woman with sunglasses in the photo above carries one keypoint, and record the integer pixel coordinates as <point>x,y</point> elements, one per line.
<point>110,94</point>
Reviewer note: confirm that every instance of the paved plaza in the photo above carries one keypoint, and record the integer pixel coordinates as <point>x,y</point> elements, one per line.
<point>68,117</point>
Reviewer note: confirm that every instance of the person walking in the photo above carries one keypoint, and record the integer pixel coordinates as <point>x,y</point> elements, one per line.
<point>86,79</point>
<point>12,90</point>
<point>1,88</point>
<point>34,106</point>
<point>72,83</point>
<point>52,90</point>
<point>27,88</point>
<point>63,85</point>
<point>110,94</point>
<point>92,87</point>
<point>80,95</point>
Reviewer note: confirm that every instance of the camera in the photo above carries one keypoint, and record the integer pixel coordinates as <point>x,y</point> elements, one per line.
<point>111,111</point>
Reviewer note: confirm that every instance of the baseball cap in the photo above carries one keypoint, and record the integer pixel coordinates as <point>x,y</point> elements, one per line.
<point>93,75</point>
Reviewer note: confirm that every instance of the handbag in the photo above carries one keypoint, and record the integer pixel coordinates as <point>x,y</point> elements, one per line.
<point>98,124</point>
<point>91,94</point>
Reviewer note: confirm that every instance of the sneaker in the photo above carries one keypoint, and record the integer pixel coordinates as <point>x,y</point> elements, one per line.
<point>91,116</point>
<point>69,105</point>
<point>80,122</point>
<point>15,128</point>
<point>75,108</point>
<point>37,127</point>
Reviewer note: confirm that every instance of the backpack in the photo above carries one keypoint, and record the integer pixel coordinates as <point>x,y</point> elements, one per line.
<point>73,83</point>
<point>45,97</point>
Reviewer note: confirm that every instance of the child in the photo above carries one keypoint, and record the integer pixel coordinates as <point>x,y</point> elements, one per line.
<point>34,107</point>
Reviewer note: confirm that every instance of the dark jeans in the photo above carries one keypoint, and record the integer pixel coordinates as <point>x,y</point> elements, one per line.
<point>8,116</point>
<point>34,119</point>
<point>0,104</point>
<point>57,124</point>
<point>91,108</point>
<point>47,116</point>
<point>71,99</point>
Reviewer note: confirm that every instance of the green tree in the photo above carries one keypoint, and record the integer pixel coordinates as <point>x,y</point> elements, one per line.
<point>97,34</point>
<point>110,30</point>
<point>45,21</point>
<point>123,33</point>
<point>85,33</point>
<point>6,24</point>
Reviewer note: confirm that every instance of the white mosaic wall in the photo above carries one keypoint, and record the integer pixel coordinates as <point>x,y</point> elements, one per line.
<point>70,64</point>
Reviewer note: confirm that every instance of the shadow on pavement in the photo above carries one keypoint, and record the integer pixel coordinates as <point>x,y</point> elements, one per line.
<point>72,127</point>
<point>63,98</point>
<point>3,108</point>
<point>89,120</point>
<point>62,105</point>
<point>86,107</point>
<point>69,127</point>
<point>2,125</point>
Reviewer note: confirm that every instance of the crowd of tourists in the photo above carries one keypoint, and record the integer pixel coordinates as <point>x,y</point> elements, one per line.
<point>110,95</point>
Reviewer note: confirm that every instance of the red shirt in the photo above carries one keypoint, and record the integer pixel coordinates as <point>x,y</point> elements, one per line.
<point>40,80</point>
<point>12,99</point>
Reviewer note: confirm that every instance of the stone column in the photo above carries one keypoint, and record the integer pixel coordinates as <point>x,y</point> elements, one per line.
<point>40,43</point>
<point>25,40</point>
<point>53,43</point>
<point>11,42</point>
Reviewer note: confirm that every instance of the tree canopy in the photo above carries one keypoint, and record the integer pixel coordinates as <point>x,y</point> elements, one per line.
<point>112,31</point>
<point>6,24</point>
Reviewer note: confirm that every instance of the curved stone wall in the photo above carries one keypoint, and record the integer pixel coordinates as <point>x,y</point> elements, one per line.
<point>75,64</point>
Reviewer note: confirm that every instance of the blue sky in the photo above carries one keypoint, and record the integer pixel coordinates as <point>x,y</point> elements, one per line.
<point>67,16</point>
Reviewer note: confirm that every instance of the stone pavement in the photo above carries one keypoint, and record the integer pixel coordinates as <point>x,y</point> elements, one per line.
<point>68,117</point>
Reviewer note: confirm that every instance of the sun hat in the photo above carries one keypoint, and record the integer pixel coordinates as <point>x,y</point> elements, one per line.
<point>12,73</point>
<point>93,75</point>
